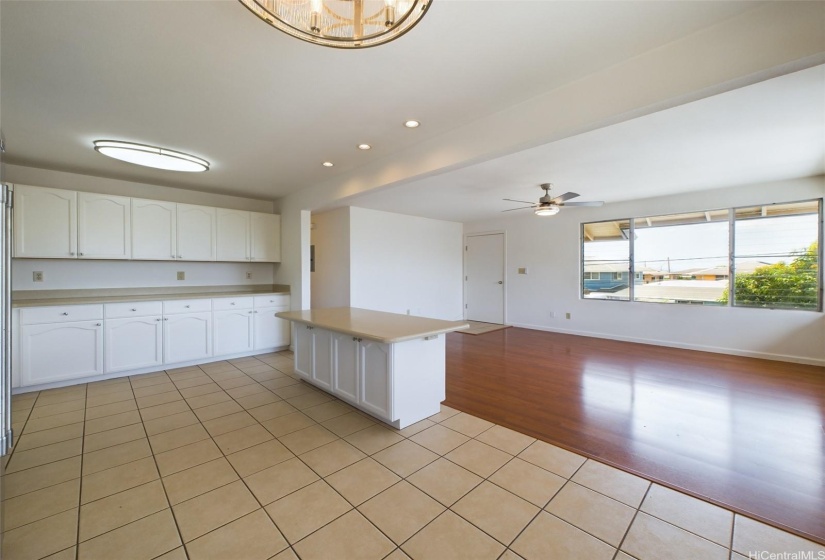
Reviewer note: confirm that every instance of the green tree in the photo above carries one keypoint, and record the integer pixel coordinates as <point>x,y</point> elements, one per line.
<point>792,286</point>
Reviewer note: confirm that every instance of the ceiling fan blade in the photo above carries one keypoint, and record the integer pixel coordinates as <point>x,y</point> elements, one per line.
<point>521,208</point>
<point>514,200</point>
<point>565,196</point>
<point>592,203</point>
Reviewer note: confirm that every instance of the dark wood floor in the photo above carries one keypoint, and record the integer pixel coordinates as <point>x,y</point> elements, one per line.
<point>743,433</point>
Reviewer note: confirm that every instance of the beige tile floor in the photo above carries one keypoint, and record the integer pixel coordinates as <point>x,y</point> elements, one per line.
<point>240,460</point>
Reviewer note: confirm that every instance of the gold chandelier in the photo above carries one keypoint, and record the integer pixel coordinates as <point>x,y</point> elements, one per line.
<point>348,24</point>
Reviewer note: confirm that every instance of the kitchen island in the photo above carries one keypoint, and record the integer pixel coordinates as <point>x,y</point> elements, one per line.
<point>389,365</point>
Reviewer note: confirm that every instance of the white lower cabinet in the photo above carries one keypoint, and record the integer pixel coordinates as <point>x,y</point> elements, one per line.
<point>233,331</point>
<point>269,330</point>
<point>323,363</point>
<point>58,344</point>
<point>345,373</point>
<point>187,337</point>
<point>53,352</point>
<point>303,346</point>
<point>133,343</point>
<point>374,375</point>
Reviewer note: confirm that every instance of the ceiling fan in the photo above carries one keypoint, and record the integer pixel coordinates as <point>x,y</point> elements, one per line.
<point>548,206</point>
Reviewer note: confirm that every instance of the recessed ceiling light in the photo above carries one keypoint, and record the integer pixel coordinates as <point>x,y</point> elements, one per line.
<point>412,124</point>
<point>364,146</point>
<point>327,164</point>
<point>151,156</point>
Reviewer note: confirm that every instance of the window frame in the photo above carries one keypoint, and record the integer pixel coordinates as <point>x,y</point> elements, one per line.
<point>820,201</point>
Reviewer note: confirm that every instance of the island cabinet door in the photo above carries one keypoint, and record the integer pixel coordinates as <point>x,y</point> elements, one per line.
<point>322,372</point>
<point>376,380</point>
<point>345,367</point>
<point>303,340</point>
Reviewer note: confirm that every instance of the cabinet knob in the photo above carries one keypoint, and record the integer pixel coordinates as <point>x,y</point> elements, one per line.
<point>97,324</point>
<point>158,319</point>
<point>187,306</point>
<point>180,257</point>
<point>65,313</point>
<point>249,312</point>
<point>173,256</point>
<point>80,254</point>
<point>72,254</point>
<point>133,309</point>
<point>166,318</point>
<point>232,303</point>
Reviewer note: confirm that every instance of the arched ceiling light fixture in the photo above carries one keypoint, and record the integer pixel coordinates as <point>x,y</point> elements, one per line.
<point>151,156</point>
<point>345,24</point>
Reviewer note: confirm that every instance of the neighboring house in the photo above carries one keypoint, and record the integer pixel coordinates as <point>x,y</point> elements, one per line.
<point>608,277</point>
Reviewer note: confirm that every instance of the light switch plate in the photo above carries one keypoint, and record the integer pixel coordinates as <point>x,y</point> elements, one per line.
<point>522,270</point>
<point>181,275</point>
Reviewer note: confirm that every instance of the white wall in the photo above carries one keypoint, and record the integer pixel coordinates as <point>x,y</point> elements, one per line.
<point>331,237</point>
<point>400,263</point>
<point>60,274</point>
<point>550,248</point>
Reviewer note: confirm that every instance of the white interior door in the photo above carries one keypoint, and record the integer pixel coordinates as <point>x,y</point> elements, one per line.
<point>484,278</point>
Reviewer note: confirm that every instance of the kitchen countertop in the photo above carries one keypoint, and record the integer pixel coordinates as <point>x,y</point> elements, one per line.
<point>78,297</point>
<point>374,325</point>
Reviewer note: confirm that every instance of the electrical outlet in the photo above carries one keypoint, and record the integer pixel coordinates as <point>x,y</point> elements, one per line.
<point>181,275</point>
<point>249,276</point>
<point>37,276</point>
<point>567,315</point>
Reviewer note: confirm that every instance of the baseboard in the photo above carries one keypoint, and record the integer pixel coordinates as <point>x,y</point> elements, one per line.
<point>670,344</point>
<point>153,369</point>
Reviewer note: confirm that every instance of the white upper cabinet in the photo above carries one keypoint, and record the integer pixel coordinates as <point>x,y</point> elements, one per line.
<point>45,222</point>
<point>233,235</point>
<point>266,237</point>
<point>62,224</point>
<point>104,228</point>
<point>197,232</point>
<point>154,230</point>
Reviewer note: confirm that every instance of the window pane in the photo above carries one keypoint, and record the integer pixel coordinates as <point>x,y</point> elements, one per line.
<point>606,260</point>
<point>682,258</point>
<point>776,257</point>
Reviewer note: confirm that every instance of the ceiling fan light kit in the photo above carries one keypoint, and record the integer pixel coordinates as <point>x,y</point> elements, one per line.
<point>550,206</point>
<point>344,24</point>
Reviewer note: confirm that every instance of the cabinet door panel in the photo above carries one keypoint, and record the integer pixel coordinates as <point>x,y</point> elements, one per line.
<point>60,351</point>
<point>45,222</point>
<point>233,331</point>
<point>187,337</point>
<point>266,237</point>
<point>154,230</point>
<point>196,232</point>
<point>322,373</point>
<point>345,367</point>
<point>104,228</point>
<point>132,343</point>
<point>303,340</point>
<point>375,378</point>
<point>270,331</point>
<point>233,235</point>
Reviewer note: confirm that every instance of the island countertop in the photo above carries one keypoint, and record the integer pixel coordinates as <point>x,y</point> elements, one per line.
<point>373,325</point>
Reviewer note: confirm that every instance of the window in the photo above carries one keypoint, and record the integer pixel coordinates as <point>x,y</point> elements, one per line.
<point>687,252</point>
<point>605,249</point>
<point>766,256</point>
<point>776,256</point>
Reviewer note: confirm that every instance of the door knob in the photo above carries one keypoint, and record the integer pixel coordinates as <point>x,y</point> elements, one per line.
<point>500,282</point>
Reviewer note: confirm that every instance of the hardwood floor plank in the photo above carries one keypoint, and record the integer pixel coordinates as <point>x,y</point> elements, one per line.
<point>743,433</point>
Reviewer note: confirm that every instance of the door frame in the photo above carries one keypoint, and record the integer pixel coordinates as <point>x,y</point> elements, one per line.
<point>503,233</point>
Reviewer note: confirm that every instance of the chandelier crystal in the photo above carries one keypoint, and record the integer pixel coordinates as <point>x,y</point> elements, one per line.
<point>347,24</point>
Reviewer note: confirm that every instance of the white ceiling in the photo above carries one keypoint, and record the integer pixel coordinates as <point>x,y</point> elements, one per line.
<point>210,79</point>
<point>770,131</point>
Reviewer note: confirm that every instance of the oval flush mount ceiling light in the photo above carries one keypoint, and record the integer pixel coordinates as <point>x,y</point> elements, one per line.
<point>345,24</point>
<point>151,156</point>
<point>412,124</point>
